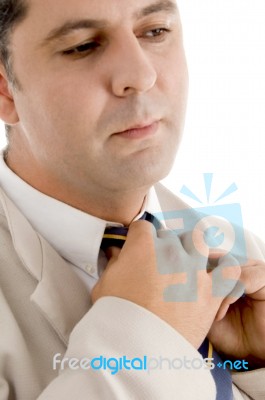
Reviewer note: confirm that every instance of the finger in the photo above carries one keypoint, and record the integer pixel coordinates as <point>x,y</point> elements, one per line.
<point>214,258</point>
<point>227,260</point>
<point>169,239</point>
<point>225,307</point>
<point>171,258</point>
<point>166,233</point>
<point>227,284</point>
<point>253,279</point>
<point>194,244</point>
<point>251,263</point>
<point>112,252</point>
<point>225,277</point>
<point>140,238</point>
<point>165,252</point>
<point>177,254</point>
<point>222,311</point>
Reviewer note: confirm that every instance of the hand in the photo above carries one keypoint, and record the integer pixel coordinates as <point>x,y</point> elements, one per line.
<point>239,330</point>
<point>147,266</point>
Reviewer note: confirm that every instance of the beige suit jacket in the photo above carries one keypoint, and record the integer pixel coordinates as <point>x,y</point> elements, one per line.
<point>45,310</point>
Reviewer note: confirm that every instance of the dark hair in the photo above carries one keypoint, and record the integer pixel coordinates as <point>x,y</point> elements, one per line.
<point>11,12</point>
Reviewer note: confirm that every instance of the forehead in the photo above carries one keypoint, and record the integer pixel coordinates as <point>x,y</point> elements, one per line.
<point>46,19</point>
<point>47,13</point>
<point>108,8</point>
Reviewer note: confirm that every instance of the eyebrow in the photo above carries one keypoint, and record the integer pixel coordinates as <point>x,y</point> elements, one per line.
<point>162,5</point>
<point>70,26</point>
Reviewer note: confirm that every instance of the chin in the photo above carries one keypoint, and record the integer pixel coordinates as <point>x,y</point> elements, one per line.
<point>145,176</point>
<point>143,169</point>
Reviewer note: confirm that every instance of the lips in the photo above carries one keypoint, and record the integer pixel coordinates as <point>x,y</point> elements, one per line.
<point>140,130</point>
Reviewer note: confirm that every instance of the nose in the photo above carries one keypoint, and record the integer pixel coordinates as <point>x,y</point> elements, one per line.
<point>132,69</point>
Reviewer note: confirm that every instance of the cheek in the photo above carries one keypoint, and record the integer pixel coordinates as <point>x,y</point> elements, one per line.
<point>178,82</point>
<point>176,77</point>
<point>174,82</point>
<point>74,102</point>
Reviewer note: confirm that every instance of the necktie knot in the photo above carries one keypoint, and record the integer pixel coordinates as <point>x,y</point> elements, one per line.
<point>116,235</point>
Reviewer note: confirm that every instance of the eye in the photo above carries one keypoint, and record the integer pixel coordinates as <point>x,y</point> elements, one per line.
<point>157,32</point>
<point>82,49</point>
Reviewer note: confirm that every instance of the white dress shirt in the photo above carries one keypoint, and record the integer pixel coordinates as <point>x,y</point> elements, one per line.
<point>74,234</point>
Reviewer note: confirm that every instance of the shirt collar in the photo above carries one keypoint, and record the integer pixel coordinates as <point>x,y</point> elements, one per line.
<point>74,234</point>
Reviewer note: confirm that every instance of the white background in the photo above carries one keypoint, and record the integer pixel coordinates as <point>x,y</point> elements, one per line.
<point>225,129</point>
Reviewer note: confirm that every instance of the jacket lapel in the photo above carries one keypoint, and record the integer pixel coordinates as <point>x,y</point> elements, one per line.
<point>174,210</point>
<point>60,295</point>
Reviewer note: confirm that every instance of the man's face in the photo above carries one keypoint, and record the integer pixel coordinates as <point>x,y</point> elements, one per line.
<point>90,71</point>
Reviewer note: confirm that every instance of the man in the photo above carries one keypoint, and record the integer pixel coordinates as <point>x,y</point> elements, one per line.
<point>94,96</point>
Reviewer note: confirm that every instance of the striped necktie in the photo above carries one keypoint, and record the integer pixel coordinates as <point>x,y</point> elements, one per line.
<point>221,376</point>
<point>116,236</point>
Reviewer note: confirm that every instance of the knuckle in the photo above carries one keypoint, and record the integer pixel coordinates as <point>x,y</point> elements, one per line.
<point>144,232</point>
<point>169,260</point>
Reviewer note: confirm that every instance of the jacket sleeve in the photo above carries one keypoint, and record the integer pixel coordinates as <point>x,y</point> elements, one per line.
<point>252,383</point>
<point>115,328</point>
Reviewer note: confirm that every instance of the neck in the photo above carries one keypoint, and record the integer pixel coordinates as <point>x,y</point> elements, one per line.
<point>116,206</point>
<point>120,207</point>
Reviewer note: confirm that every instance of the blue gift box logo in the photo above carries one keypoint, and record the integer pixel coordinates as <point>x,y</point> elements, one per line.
<point>222,227</point>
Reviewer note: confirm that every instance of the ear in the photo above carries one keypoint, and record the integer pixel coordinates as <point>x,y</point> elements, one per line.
<point>8,112</point>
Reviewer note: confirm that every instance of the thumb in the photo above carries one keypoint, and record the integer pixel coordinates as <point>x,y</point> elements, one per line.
<point>225,278</point>
<point>112,254</point>
<point>140,237</point>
